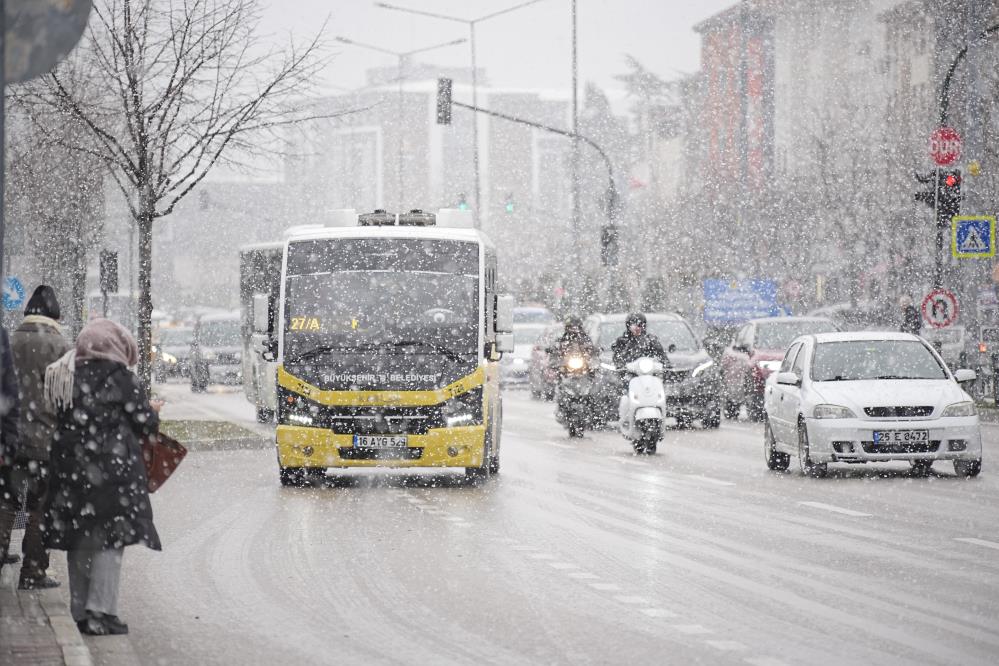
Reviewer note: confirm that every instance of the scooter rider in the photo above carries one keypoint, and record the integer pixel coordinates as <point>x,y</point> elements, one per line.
<point>573,339</point>
<point>637,343</point>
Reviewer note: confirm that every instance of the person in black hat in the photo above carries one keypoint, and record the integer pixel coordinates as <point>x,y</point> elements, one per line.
<point>37,343</point>
<point>637,343</point>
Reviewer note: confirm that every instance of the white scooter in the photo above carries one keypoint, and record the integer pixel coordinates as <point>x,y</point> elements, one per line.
<point>642,409</point>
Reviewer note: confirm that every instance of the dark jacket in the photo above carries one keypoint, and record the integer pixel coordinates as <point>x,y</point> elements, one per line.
<point>98,497</point>
<point>628,348</point>
<point>912,322</point>
<point>35,344</point>
<point>579,342</point>
<point>10,404</point>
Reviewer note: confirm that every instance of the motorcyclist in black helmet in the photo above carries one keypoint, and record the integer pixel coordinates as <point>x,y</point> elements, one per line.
<point>574,338</point>
<point>637,343</point>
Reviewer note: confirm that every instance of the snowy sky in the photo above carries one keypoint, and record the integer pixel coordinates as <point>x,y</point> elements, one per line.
<point>527,48</point>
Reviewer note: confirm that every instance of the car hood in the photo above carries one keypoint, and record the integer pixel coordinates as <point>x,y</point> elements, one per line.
<point>890,393</point>
<point>687,360</point>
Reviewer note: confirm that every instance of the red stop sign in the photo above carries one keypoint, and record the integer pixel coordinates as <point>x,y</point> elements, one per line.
<point>945,146</point>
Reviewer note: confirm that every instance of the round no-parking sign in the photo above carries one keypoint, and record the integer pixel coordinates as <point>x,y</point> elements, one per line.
<point>940,308</point>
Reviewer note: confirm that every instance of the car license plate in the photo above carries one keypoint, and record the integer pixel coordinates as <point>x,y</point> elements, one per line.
<point>380,441</point>
<point>900,436</point>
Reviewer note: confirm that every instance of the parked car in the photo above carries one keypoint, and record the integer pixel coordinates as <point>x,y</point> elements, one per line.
<point>869,397</point>
<point>533,314</point>
<point>755,352</point>
<point>692,381</point>
<point>949,342</point>
<point>216,351</point>
<point>516,365</point>
<point>172,352</point>
<point>542,375</point>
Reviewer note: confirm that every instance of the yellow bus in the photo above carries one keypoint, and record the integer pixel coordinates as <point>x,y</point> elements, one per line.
<point>389,333</point>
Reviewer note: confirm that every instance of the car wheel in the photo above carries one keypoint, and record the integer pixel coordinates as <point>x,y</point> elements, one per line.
<point>920,468</point>
<point>731,409</point>
<point>476,475</point>
<point>293,477</point>
<point>683,421</point>
<point>808,468</point>
<point>265,415</point>
<point>968,468</point>
<point>777,461</point>
<point>712,420</point>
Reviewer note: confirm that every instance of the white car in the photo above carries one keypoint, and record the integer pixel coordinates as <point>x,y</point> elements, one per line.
<point>869,397</point>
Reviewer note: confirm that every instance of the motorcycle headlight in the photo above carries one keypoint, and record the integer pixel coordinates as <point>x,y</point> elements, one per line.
<point>463,410</point>
<point>646,366</point>
<point>575,363</point>
<point>832,412</point>
<point>702,367</point>
<point>966,408</point>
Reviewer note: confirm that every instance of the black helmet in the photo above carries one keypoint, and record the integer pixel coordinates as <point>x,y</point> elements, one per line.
<point>574,323</point>
<point>635,318</point>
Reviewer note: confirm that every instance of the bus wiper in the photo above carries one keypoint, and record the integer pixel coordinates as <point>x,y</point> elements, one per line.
<point>325,349</point>
<point>450,353</point>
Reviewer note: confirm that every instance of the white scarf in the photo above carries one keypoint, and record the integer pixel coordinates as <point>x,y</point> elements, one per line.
<point>44,321</point>
<point>59,378</point>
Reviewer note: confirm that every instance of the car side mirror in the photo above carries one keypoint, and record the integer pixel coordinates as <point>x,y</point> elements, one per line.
<point>788,379</point>
<point>671,349</point>
<point>964,375</point>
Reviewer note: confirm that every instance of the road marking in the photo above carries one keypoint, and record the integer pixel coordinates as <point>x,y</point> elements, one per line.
<point>605,587</point>
<point>523,548</point>
<point>628,599</point>
<point>726,646</point>
<point>560,446</point>
<point>764,661</point>
<point>979,542</point>
<point>835,509</point>
<point>541,556</point>
<point>691,629</point>
<point>453,519</point>
<point>708,479</point>
<point>583,575</point>
<point>562,566</point>
<point>658,612</point>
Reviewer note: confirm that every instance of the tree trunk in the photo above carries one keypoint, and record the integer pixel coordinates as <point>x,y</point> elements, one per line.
<point>145,314</point>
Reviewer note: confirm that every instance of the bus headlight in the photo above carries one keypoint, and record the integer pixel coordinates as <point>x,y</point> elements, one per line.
<point>300,419</point>
<point>463,410</point>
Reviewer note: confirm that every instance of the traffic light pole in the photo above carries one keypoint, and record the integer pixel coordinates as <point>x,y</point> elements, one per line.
<point>938,271</point>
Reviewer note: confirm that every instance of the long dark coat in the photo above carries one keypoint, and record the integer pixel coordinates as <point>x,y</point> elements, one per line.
<point>98,498</point>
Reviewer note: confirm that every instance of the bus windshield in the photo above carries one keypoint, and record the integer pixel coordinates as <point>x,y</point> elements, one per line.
<point>387,294</point>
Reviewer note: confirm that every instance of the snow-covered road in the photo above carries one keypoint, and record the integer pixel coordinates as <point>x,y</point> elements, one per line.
<point>578,552</point>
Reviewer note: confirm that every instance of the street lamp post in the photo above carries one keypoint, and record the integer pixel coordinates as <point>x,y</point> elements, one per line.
<point>402,56</point>
<point>475,76</point>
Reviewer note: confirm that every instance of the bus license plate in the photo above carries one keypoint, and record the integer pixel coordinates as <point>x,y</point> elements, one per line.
<point>900,436</point>
<point>380,441</point>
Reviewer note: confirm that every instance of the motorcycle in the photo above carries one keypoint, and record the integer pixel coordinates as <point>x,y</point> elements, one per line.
<point>574,391</point>
<point>642,408</point>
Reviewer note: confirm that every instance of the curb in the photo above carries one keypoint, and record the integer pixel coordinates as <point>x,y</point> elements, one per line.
<point>245,443</point>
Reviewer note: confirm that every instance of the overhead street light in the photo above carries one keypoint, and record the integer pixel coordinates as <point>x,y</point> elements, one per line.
<point>402,56</point>
<point>475,78</point>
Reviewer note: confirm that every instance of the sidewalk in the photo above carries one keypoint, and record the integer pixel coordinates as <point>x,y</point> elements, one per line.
<point>36,627</point>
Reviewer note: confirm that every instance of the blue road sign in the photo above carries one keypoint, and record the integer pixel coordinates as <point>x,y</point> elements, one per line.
<point>732,302</point>
<point>973,236</point>
<point>13,293</point>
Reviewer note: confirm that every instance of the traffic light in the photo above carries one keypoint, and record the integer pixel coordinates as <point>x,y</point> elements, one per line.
<point>443,101</point>
<point>929,195</point>
<point>509,202</point>
<point>608,245</point>
<point>949,201</point>
<point>462,202</point>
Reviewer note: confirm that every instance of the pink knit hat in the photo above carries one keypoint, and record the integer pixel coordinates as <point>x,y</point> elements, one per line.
<point>105,339</point>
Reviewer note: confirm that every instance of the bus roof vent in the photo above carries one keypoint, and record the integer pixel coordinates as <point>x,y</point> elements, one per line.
<point>454,218</point>
<point>379,218</point>
<point>417,218</point>
<point>341,217</point>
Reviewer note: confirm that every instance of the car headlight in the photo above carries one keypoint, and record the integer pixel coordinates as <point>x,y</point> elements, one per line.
<point>702,367</point>
<point>519,361</point>
<point>833,412</point>
<point>169,358</point>
<point>208,355</point>
<point>966,408</point>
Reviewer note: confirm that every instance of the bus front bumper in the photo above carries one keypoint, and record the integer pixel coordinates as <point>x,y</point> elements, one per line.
<point>316,447</point>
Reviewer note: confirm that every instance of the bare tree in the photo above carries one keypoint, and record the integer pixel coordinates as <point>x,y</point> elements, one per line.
<point>181,86</point>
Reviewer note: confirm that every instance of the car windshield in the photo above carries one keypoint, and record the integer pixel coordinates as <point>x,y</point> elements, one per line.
<point>874,359</point>
<point>527,335</point>
<point>532,316</point>
<point>780,334</point>
<point>669,332</point>
<point>223,333</point>
<point>175,337</point>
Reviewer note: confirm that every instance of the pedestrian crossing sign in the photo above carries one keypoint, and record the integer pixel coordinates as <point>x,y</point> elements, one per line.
<point>973,236</point>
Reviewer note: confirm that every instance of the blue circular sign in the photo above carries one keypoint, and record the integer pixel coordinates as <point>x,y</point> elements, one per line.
<point>13,293</point>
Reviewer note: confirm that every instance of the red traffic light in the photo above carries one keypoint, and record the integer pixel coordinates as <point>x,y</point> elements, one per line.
<point>951,180</point>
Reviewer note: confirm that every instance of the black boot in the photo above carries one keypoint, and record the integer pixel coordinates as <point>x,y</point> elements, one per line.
<point>114,625</point>
<point>92,625</point>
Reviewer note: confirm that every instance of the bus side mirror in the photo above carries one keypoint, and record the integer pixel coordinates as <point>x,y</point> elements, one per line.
<point>504,342</point>
<point>504,316</point>
<point>261,314</point>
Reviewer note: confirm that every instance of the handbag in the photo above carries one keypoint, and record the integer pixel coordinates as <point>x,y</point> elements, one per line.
<point>161,454</point>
